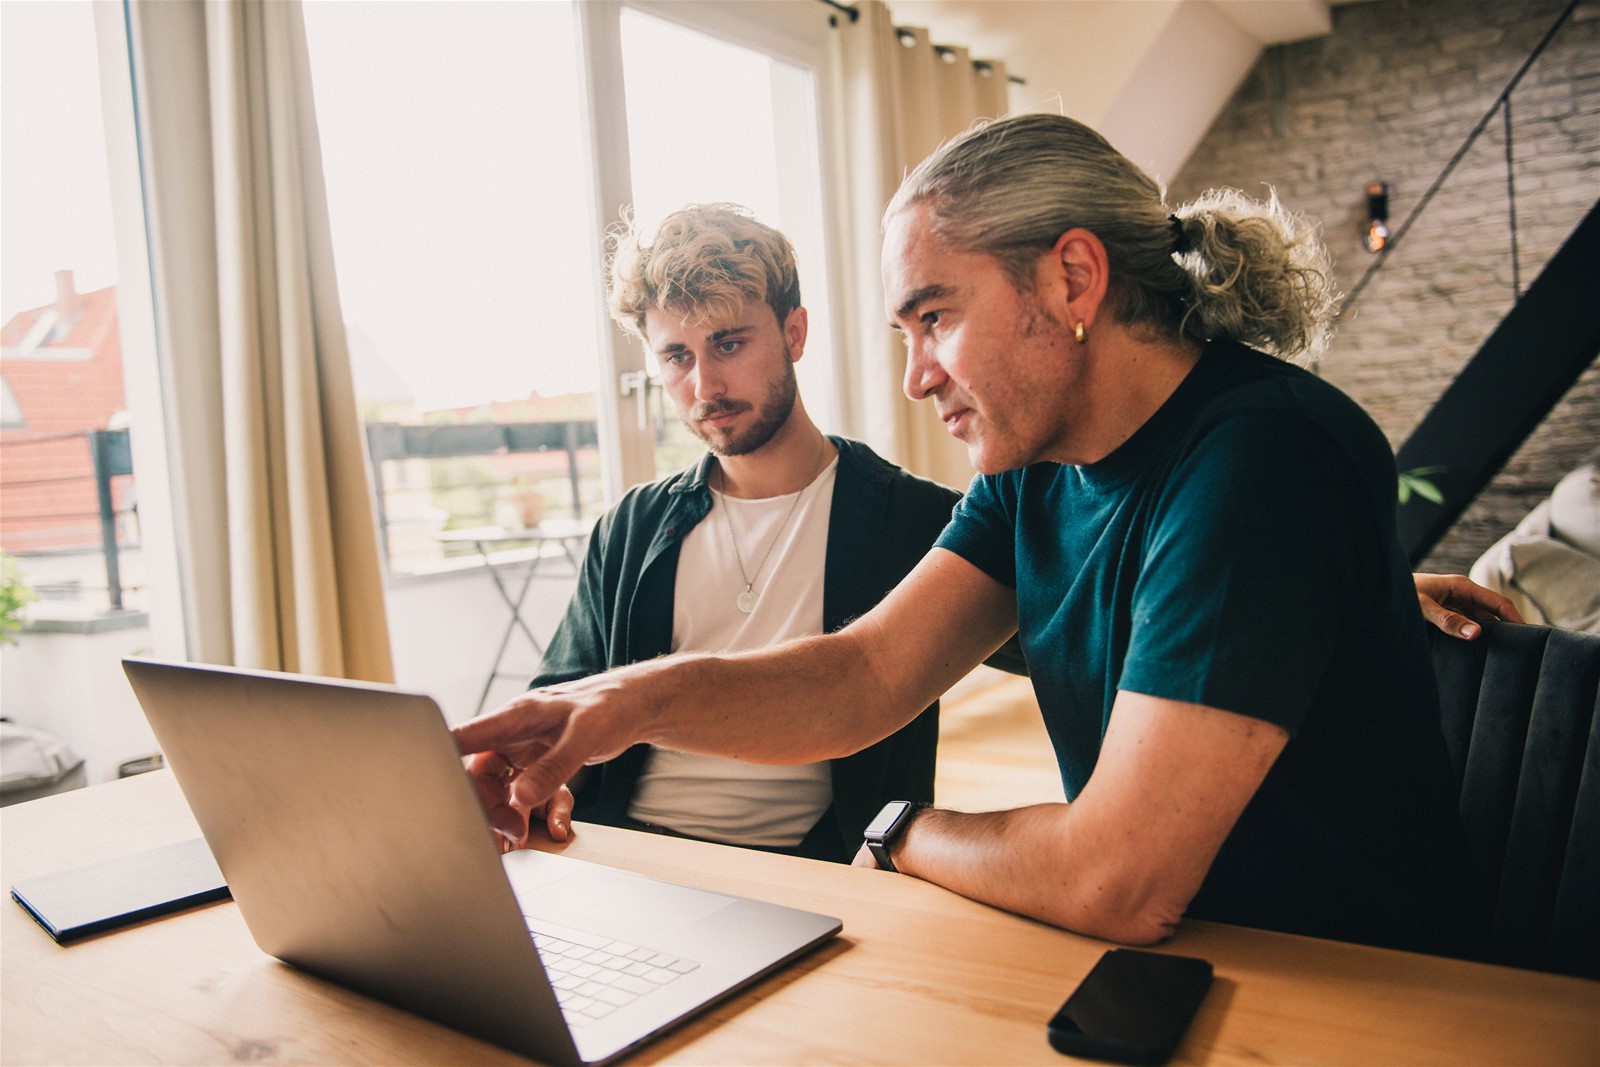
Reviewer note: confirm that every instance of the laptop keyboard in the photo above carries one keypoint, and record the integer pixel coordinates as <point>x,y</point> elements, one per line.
<point>594,976</point>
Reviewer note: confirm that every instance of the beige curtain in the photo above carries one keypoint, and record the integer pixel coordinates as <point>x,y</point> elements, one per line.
<point>902,97</point>
<point>281,557</point>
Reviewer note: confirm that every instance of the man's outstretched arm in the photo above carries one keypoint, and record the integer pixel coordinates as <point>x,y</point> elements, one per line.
<point>801,701</point>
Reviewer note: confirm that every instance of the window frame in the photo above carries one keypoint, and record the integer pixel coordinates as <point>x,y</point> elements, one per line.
<point>796,32</point>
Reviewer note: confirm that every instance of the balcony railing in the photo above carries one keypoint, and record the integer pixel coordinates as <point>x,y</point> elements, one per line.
<point>542,463</point>
<point>50,513</point>
<point>83,499</point>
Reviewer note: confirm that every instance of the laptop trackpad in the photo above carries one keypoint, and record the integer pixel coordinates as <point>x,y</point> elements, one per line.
<point>587,896</point>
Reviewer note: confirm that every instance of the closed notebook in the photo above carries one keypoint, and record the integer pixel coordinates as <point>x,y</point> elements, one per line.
<point>103,896</point>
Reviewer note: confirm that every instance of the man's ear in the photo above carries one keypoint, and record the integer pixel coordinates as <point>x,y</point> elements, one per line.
<point>1080,269</point>
<point>795,329</point>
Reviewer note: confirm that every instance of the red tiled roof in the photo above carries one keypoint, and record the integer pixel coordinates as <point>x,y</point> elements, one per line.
<point>46,473</point>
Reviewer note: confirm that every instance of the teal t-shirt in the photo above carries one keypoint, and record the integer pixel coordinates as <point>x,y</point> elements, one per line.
<point>1240,551</point>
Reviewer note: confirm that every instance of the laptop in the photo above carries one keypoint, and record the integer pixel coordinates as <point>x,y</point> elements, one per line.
<point>356,849</point>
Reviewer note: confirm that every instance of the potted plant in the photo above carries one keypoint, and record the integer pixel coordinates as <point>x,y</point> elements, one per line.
<point>529,502</point>
<point>15,596</point>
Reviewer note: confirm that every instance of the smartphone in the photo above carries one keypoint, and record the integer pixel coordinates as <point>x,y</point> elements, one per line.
<point>1132,1007</point>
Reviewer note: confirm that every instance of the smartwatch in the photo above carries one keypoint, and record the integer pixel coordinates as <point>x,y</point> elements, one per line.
<point>887,827</point>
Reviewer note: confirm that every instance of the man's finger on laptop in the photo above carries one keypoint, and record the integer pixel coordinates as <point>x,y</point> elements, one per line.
<point>513,734</point>
<point>557,813</point>
<point>543,779</point>
<point>482,734</point>
<point>554,814</point>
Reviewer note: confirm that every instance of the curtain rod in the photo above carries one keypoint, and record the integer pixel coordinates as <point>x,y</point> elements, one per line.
<point>943,50</point>
<point>843,8</point>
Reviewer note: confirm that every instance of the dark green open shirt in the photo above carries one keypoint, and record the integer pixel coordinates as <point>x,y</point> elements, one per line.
<point>883,521</point>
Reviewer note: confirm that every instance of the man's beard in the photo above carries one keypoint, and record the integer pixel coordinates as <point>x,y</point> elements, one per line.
<point>776,407</point>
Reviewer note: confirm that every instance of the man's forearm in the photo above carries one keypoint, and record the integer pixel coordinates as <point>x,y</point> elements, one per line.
<point>1125,858</point>
<point>822,690</point>
<point>799,702</point>
<point>1023,860</point>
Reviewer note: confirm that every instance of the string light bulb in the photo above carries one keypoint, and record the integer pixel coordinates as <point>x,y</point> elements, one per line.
<point>1377,237</point>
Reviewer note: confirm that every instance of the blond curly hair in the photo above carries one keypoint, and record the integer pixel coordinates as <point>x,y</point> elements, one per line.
<point>701,263</point>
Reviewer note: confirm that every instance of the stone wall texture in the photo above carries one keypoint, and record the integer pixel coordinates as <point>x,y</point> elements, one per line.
<point>1391,95</point>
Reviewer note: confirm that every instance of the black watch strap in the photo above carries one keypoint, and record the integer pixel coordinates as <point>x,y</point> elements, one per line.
<point>887,828</point>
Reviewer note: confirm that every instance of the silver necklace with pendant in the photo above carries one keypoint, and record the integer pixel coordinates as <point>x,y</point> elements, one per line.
<point>746,601</point>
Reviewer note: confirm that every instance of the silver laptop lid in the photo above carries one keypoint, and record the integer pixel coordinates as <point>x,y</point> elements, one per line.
<point>354,844</point>
<point>356,848</point>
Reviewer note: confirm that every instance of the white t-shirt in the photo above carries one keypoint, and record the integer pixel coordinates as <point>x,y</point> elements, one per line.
<point>710,796</point>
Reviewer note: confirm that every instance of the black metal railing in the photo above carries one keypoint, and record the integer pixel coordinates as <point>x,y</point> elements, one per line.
<point>74,527</point>
<point>393,442</point>
<point>1502,107</point>
<point>78,511</point>
<point>1507,388</point>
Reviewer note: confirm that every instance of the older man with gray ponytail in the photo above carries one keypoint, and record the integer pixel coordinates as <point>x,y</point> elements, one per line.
<point>1193,537</point>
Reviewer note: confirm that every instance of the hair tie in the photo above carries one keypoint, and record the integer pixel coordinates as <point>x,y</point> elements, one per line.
<point>1180,240</point>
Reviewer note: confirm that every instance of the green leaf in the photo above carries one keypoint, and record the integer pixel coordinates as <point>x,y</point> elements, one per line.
<point>1414,481</point>
<point>1427,490</point>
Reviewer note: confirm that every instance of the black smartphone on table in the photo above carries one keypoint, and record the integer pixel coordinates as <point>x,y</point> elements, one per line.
<point>1132,1007</point>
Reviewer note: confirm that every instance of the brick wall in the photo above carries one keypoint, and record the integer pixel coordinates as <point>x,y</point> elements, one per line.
<point>1391,95</point>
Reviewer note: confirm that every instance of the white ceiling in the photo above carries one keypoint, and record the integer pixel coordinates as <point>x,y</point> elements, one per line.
<point>1152,75</point>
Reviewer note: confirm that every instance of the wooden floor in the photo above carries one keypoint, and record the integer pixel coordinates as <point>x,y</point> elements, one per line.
<point>993,751</point>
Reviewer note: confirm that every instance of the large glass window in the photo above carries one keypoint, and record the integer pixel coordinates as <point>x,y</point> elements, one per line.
<point>468,246</point>
<point>74,591</point>
<point>456,161</point>
<point>466,265</point>
<point>473,152</point>
<point>61,360</point>
<point>710,120</point>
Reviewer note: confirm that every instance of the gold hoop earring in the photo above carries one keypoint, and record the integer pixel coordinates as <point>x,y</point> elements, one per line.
<point>1079,332</point>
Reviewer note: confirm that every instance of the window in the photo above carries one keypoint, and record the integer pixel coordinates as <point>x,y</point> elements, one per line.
<point>467,210</point>
<point>741,128</point>
<point>473,154</point>
<point>73,520</point>
<point>465,271</point>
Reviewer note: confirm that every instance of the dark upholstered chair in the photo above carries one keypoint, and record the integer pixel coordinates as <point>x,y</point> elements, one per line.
<point>1521,723</point>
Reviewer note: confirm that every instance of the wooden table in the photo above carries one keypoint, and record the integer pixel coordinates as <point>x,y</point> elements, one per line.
<point>919,976</point>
